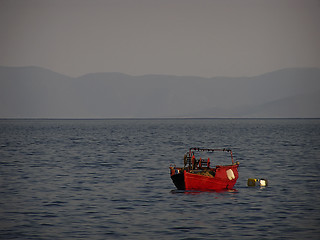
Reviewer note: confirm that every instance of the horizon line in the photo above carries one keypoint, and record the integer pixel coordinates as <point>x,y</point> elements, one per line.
<point>157,74</point>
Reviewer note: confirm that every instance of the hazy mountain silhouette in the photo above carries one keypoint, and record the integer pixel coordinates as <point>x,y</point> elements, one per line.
<point>33,92</point>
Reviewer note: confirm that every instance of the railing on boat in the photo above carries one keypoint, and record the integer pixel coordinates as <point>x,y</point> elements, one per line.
<point>191,150</point>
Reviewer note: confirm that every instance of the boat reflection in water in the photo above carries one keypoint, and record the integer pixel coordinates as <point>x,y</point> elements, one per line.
<point>195,192</point>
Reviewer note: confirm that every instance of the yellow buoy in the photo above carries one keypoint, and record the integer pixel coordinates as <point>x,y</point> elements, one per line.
<point>252,182</point>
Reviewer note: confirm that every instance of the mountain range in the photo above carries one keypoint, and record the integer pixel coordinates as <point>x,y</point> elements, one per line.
<point>34,92</point>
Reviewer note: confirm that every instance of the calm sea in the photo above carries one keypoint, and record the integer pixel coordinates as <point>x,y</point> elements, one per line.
<point>109,179</point>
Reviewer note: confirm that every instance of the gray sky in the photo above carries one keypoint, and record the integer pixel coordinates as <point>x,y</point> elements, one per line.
<point>182,37</point>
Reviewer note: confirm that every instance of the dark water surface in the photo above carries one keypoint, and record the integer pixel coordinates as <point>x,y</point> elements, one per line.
<point>109,179</point>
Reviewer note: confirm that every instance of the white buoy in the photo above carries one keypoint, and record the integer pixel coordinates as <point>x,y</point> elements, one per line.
<point>263,183</point>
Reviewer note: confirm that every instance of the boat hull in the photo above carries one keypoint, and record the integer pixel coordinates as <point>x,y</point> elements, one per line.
<point>178,181</point>
<point>225,178</point>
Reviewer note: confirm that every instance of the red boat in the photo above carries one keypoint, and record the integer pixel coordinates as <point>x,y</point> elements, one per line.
<point>197,174</point>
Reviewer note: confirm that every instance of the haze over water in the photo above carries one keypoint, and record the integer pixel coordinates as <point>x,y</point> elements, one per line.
<point>57,50</point>
<point>202,38</point>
